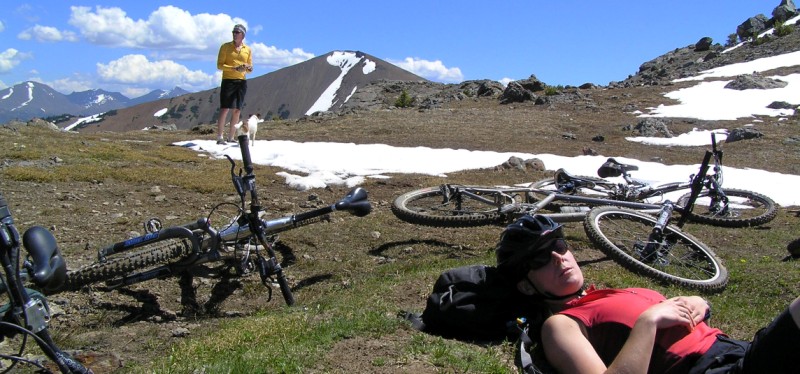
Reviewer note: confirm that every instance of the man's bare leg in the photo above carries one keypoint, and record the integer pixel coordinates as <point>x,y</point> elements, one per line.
<point>223,112</point>
<point>234,120</point>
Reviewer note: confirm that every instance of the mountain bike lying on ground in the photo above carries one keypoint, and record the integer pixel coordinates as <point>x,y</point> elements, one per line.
<point>243,241</point>
<point>26,313</point>
<point>624,230</point>
<point>726,207</point>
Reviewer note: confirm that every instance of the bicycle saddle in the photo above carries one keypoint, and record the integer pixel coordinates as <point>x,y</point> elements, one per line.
<point>614,168</point>
<point>49,268</point>
<point>355,202</point>
<point>567,183</point>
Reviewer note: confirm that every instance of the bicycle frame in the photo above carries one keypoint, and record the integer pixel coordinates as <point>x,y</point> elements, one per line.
<point>514,210</point>
<point>634,190</point>
<point>201,243</point>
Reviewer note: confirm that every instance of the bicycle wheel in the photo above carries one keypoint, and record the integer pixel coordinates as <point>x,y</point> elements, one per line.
<point>446,206</point>
<point>125,264</point>
<point>745,208</point>
<point>602,189</point>
<point>624,235</point>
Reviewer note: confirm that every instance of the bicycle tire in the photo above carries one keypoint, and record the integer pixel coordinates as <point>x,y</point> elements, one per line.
<point>746,208</point>
<point>161,252</point>
<point>620,233</point>
<point>426,207</point>
<point>549,184</point>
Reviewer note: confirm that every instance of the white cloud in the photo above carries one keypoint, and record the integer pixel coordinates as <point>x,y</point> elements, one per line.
<point>168,27</point>
<point>173,33</point>
<point>274,57</point>
<point>506,81</point>
<point>2,26</point>
<point>10,58</point>
<point>47,34</point>
<point>75,83</point>
<point>433,70</point>
<point>137,69</point>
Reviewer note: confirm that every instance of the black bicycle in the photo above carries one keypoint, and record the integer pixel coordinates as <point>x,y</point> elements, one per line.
<point>240,238</point>
<point>26,313</point>
<point>726,207</point>
<point>637,235</point>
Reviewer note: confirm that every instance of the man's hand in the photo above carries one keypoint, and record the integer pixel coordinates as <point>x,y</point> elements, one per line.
<point>681,310</point>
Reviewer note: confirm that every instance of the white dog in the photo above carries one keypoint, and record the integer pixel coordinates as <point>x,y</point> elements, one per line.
<point>249,128</point>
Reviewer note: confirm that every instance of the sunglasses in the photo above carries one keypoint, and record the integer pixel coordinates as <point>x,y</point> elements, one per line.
<point>543,253</point>
<point>237,32</point>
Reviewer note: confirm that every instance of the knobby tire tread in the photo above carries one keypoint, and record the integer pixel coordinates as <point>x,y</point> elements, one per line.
<point>125,264</point>
<point>768,208</point>
<point>715,283</point>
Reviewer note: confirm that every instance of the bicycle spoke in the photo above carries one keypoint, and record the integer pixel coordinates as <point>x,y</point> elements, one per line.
<point>626,236</point>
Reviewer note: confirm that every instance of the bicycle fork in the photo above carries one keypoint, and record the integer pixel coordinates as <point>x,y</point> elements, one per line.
<point>657,245</point>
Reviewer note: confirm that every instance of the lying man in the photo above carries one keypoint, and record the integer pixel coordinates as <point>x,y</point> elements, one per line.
<point>632,330</point>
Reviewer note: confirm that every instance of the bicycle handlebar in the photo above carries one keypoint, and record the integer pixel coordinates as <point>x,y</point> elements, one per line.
<point>48,270</point>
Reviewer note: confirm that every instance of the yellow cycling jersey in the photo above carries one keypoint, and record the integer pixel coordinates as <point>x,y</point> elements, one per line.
<point>228,59</point>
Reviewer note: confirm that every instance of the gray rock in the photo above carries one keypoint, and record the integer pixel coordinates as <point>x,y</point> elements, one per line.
<point>752,26</point>
<point>784,11</point>
<point>754,81</point>
<point>654,127</point>
<point>516,93</point>
<point>743,134</point>
<point>703,44</point>
<point>782,105</point>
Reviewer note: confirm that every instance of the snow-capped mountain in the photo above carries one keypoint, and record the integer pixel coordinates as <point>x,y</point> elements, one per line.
<point>98,100</point>
<point>158,95</point>
<point>32,99</point>
<point>328,82</point>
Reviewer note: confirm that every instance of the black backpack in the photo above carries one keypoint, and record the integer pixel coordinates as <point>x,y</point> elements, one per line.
<point>475,303</point>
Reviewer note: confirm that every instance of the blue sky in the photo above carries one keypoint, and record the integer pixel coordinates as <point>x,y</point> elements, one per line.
<point>134,47</point>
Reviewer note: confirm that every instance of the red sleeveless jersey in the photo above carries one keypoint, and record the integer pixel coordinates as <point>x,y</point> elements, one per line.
<point>609,316</point>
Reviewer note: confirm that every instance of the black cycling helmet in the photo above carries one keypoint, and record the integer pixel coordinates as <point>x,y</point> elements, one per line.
<point>522,241</point>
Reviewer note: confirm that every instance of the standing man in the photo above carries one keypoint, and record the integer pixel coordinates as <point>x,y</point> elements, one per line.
<point>235,60</point>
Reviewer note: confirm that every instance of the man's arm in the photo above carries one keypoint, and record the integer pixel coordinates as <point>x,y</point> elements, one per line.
<point>567,348</point>
<point>250,60</point>
<point>221,58</point>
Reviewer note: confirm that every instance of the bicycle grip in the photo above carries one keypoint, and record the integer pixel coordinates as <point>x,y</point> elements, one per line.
<point>285,290</point>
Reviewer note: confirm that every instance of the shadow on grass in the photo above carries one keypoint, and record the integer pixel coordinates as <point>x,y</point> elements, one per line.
<point>390,245</point>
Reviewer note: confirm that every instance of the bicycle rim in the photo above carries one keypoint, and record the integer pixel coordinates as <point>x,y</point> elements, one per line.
<point>429,207</point>
<point>623,234</point>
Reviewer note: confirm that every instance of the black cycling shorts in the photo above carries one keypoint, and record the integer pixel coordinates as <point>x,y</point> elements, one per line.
<point>232,93</point>
<point>773,350</point>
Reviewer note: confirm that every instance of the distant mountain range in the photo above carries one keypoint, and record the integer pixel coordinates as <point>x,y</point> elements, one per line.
<point>32,99</point>
<point>326,83</point>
